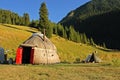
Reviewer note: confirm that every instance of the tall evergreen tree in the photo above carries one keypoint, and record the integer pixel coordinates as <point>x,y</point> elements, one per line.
<point>26,19</point>
<point>55,31</point>
<point>44,22</point>
<point>60,30</point>
<point>91,41</point>
<point>67,32</point>
<point>84,38</point>
<point>77,37</point>
<point>34,23</point>
<point>71,33</point>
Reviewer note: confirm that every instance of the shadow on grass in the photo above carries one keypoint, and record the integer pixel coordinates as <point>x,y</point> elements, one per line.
<point>44,74</point>
<point>11,27</point>
<point>19,29</point>
<point>30,31</point>
<point>107,50</point>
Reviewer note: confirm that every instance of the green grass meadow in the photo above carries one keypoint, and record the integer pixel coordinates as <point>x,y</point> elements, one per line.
<point>59,72</point>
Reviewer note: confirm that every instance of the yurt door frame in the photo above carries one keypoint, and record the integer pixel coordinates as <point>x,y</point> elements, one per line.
<point>26,55</point>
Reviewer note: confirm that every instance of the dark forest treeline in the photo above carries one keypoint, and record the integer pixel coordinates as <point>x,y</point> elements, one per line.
<point>9,17</point>
<point>103,28</point>
<point>69,33</point>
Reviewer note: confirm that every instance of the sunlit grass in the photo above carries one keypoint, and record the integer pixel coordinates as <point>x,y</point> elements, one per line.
<point>69,51</point>
<point>59,72</point>
<point>11,36</point>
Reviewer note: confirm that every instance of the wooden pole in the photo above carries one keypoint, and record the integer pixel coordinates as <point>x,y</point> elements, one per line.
<point>44,35</point>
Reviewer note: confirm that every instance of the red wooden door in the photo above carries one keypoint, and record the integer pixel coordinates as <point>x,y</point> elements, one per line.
<point>19,56</point>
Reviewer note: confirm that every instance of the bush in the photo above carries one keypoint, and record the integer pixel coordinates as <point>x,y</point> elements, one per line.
<point>77,60</point>
<point>116,62</point>
<point>65,62</point>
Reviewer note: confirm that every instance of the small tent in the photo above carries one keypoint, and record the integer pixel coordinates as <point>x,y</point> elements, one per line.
<point>38,49</point>
<point>93,58</point>
<point>2,57</point>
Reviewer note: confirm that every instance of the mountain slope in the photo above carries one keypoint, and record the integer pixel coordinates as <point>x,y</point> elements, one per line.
<point>98,19</point>
<point>94,7</point>
<point>11,36</point>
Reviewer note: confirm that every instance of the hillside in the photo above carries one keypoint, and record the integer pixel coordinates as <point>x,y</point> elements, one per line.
<point>11,36</point>
<point>98,19</point>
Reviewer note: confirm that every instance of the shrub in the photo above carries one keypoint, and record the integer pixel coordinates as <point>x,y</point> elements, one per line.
<point>77,60</point>
<point>116,62</point>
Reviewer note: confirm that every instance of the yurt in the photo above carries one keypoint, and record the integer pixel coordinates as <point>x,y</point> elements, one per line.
<point>93,58</point>
<point>38,49</point>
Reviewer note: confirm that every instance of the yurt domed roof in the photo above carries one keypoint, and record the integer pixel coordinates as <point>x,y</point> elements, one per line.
<point>38,40</point>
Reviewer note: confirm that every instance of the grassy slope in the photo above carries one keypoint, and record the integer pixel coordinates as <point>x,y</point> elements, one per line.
<point>69,51</point>
<point>11,36</point>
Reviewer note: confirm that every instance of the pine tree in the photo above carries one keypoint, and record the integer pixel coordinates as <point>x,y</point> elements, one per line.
<point>71,33</point>
<point>34,23</point>
<point>104,46</point>
<point>55,31</point>
<point>67,32</point>
<point>84,38</point>
<point>60,30</point>
<point>49,31</point>
<point>12,19</point>
<point>26,19</point>
<point>77,37</point>
<point>44,22</point>
<point>91,41</point>
<point>16,18</point>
